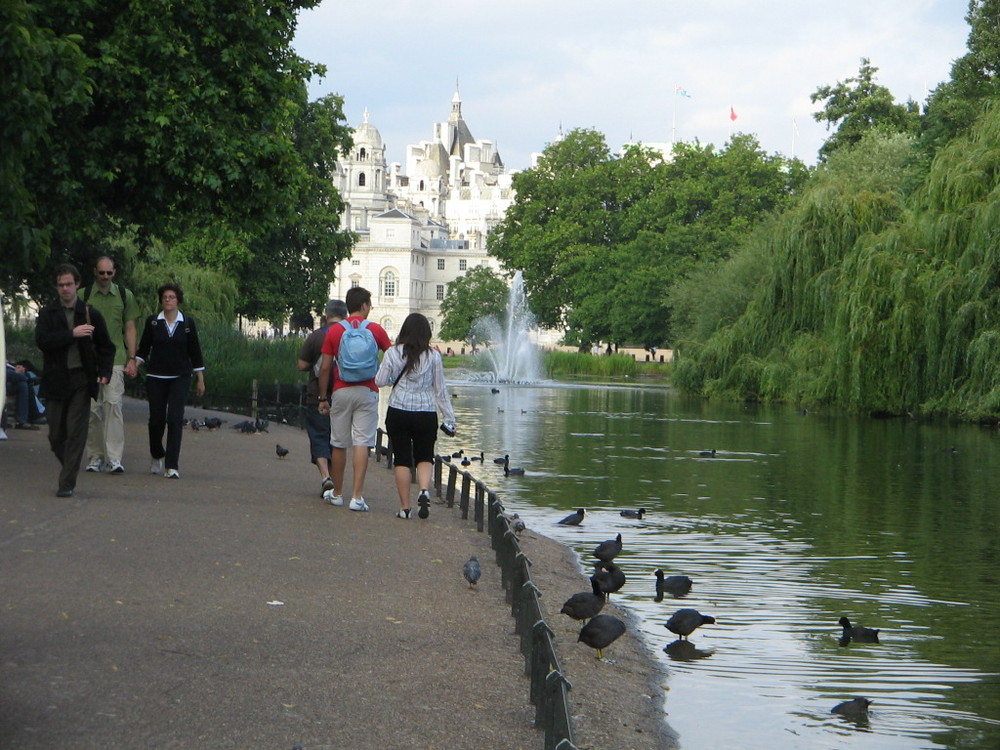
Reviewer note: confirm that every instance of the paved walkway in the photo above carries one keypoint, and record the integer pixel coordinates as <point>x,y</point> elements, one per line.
<point>233,609</point>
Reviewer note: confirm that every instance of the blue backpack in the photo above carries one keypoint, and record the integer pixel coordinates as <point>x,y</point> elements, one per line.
<point>357,357</point>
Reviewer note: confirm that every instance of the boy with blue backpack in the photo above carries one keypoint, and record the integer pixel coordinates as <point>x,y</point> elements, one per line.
<point>352,402</point>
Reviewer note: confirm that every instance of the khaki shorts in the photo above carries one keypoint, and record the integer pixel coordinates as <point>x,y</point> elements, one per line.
<point>353,416</point>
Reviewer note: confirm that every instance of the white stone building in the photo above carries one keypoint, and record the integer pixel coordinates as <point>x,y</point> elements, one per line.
<point>420,229</point>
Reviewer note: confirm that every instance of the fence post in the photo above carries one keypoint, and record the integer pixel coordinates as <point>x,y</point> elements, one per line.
<point>464,499</point>
<point>253,400</point>
<point>452,478</point>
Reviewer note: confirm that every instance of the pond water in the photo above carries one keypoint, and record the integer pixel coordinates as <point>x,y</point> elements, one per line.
<point>797,520</point>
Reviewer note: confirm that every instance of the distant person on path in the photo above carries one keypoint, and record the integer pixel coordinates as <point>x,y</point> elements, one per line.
<point>318,425</point>
<point>353,402</point>
<point>78,356</point>
<point>416,373</point>
<point>171,351</point>
<point>106,436</point>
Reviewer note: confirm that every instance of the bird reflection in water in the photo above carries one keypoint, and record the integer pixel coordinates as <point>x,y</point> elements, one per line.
<point>681,650</point>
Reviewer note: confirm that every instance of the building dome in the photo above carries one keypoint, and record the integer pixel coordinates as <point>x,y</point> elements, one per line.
<point>367,134</point>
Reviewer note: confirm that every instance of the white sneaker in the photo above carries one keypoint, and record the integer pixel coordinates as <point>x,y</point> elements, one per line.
<point>116,468</point>
<point>172,474</point>
<point>403,513</point>
<point>95,464</point>
<point>358,503</point>
<point>156,466</point>
<point>329,497</point>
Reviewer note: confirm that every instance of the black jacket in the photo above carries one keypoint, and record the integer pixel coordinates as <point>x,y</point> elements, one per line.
<point>170,356</point>
<point>54,337</point>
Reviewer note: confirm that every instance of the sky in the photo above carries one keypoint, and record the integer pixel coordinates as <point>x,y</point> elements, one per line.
<point>526,69</point>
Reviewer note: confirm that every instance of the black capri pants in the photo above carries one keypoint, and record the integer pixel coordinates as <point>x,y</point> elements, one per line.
<point>412,434</point>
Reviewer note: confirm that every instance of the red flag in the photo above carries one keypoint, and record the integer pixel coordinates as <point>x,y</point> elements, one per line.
<point>732,113</point>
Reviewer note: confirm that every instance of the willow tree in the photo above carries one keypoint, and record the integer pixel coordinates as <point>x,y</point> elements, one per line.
<point>875,297</point>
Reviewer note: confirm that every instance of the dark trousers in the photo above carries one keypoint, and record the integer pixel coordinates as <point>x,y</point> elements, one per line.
<point>167,397</point>
<point>68,420</point>
<point>412,434</point>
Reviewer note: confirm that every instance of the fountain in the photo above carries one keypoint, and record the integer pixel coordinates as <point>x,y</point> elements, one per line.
<point>512,354</point>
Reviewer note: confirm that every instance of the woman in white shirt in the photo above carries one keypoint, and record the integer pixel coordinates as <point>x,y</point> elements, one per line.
<point>415,371</point>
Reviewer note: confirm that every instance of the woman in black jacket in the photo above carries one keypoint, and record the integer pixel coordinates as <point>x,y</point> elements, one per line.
<point>171,351</point>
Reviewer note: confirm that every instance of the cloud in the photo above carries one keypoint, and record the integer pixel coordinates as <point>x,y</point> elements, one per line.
<point>525,68</point>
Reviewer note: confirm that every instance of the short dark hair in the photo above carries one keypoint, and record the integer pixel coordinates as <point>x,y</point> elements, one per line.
<point>107,258</point>
<point>67,268</point>
<point>336,308</point>
<point>171,288</point>
<point>356,297</point>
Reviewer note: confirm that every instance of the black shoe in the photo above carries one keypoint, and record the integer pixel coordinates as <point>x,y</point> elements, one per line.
<point>39,420</point>
<point>64,493</point>
<point>25,426</point>
<point>424,501</point>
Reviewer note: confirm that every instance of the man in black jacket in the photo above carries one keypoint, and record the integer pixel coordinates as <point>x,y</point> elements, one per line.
<point>78,357</point>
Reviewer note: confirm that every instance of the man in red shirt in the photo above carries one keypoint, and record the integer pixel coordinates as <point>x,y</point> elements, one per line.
<point>352,406</point>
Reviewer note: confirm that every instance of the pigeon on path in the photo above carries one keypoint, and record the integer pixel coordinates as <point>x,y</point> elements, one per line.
<point>280,450</point>
<point>472,570</point>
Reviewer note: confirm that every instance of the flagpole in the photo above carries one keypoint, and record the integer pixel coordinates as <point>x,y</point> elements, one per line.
<point>673,119</point>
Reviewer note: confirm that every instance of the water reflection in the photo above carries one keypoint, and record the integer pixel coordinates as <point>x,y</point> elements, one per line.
<point>796,521</point>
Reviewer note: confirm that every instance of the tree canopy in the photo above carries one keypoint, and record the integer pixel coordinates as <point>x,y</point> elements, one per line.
<point>858,105</point>
<point>602,238</point>
<point>480,293</point>
<point>185,121</point>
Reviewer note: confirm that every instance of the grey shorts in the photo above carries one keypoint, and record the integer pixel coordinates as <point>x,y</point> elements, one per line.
<point>353,416</point>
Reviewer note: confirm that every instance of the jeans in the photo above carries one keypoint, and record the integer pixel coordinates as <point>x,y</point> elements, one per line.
<point>22,385</point>
<point>167,397</point>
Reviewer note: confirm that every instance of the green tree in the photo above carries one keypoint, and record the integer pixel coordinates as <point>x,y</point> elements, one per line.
<point>291,268</point>
<point>480,293</point>
<point>858,105</point>
<point>955,104</point>
<point>189,119</point>
<point>602,240</point>
<point>45,81</point>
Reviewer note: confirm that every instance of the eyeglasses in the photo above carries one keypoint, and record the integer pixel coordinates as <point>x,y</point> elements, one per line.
<point>105,273</point>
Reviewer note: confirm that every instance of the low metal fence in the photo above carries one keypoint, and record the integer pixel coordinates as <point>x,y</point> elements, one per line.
<point>549,686</point>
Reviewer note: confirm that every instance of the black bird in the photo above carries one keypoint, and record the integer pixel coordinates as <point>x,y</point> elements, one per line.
<point>509,470</point>
<point>472,570</point>
<point>585,605</point>
<point>466,461</point>
<point>494,390</point>
<point>676,586</point>
<point>481,458</point>
<point>503,460</point>
<point>684,622</point>
<point>446,458</point>
<point>708,454</point>
<point>628,513</point>
<point>458,454</point>
<point>213,423</point>
<point>280,450</point>
<point>573,519</point>
<point>852,709</point>
<point>196,425</point>
<point>608,550</point>
<point>609,576</point>
<point>858,633</point>
<point>601,632</point>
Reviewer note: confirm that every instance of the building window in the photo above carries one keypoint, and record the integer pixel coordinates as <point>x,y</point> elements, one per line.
<point>390,234</point>
<point>362,154</point>
<point>440,264</point>
<point>355,262</point>
<point>439,293</point>
<point>389,284</point>
<point>361,180</point>
<point>355,283</point>
<point>462,264</point>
